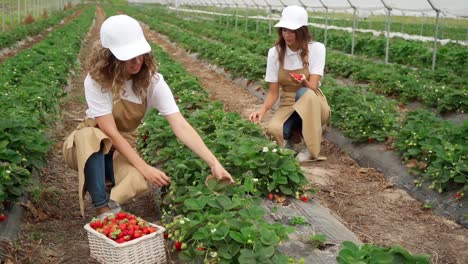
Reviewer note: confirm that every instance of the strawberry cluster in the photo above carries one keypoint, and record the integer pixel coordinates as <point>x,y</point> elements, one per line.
<point>122,227</point>
<point>296,76</point>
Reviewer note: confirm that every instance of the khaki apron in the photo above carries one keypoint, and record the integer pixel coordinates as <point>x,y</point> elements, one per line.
<point>312,108</point>
<point>87,139</point>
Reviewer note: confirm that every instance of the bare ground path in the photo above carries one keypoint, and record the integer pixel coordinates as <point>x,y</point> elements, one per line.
<point>373,208</point>
<point>369,205</point>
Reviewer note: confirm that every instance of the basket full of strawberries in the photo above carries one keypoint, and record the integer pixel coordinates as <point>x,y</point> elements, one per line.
<point>125,238</point>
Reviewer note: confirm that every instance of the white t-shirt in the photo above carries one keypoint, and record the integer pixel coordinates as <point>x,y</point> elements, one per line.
<point>293,61</point>
<point>100,101</point>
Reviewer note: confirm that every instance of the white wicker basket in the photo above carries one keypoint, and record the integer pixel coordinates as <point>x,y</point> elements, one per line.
<point>144,250</point>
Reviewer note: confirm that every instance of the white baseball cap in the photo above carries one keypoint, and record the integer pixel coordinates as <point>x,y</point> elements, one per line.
<point>124,37</point>
<point>293,17</point>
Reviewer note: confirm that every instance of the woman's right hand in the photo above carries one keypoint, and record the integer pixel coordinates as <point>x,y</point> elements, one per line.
<point>155,176</point>
<point>256,116</point>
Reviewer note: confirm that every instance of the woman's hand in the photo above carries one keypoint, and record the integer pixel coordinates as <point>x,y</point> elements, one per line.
<point>220,173</point>
<point>155,176</point>
<point>256,116</point>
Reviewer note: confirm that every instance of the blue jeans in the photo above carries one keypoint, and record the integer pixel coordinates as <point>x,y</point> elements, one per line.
<point>99,168</point>
<point>294,121</point>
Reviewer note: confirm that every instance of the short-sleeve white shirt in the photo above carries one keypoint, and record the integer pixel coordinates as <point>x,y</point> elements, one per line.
<point>293,61</point>
<point>100,102</point>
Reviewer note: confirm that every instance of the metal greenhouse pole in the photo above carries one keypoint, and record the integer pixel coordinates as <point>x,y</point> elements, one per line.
<point>326,23</point>
<point>387,28</point>
<point>3,15</point>
<point>245,16</point>
<point>354,26</point>
<point>237,10</point>
<point>434,51</point>
<point>19,12</point>
<point>269,17</point>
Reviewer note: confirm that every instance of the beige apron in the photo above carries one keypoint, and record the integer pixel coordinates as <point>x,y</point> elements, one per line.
<point>311,107</point>
<point>87,139</point>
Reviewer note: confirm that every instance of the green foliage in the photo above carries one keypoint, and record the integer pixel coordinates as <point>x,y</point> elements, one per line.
<point>440,145</point>
<point>370,254</point>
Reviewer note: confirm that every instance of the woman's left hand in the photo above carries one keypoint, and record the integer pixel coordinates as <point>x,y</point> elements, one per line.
<point>221,174</point>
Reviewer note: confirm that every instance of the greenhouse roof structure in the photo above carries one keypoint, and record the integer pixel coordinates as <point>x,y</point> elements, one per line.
<point>449,8</point>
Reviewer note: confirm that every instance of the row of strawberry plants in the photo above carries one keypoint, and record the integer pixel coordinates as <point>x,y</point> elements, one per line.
<point>439,147</point>
<point>406,83</point>
<point>260,43</point>
<point>207,220</point>
<point>21,32</point>
<point>382,125</point>
<point>407,52</point>
<point>31,86</point>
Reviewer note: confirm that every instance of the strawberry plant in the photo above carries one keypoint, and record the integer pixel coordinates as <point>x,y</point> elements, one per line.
<point>439,146</point>
<point>352,253</point>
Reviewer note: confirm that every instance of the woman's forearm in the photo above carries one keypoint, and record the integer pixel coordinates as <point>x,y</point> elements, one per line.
<point>187,135</point>
<point>272,96</point>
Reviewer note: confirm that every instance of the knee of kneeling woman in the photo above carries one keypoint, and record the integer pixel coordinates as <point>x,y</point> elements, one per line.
<point>300,93</point>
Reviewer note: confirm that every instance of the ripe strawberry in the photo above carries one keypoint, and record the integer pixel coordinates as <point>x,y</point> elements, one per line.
<point>458,195</point>
<point>120,240</point>
<point>304,198</point>
<point>120,215</point>
<point>296,76</point>
<point>178,245</point>
<point>151,229</point>
<point>145,137</point>
<point>3,217</point>
<point>165,235</point>
<point>201,248</point>
<point>137,234</point>
<point>96,223</point>
<point>371,140</point>
<point>270,196</point>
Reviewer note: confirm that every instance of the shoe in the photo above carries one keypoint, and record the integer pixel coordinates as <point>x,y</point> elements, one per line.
<point>288,144</point>
<point>304,155</point>
<point>104,215</point>
<point>114,206</point>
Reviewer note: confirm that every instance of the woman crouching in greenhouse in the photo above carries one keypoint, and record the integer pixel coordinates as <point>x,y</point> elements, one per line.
<point>296,64</point>
<point>121,87</point>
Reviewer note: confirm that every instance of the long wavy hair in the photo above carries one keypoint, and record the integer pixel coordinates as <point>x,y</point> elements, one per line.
<point>303,37</point>
<point>110,73</point>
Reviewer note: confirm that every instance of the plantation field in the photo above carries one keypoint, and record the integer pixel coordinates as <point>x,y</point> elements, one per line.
<point>216,77</point>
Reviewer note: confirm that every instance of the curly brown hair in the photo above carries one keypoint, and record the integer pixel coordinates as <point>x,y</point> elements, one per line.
<point>303,37</point>
<point>109,72</point>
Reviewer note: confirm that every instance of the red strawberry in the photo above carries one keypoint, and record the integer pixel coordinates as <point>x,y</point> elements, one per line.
<point>121,215</point>
<point>304,198</point>
<point>178,245</point>
<point>96,223</point>
<point>145,137</point>
<point>296,76</point>
<point>165,235</point>
<point>371,140</point>
<point>201,248</point>
<point>458,195</point>
<point>120,240</point>
<point>137,234</point>
<point>270,196</point>
<point>3,217</point>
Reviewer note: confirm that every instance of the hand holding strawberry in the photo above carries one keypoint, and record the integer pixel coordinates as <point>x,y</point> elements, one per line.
<point>296,76</point>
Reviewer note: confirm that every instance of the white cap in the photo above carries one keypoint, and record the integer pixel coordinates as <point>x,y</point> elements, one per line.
<point>293,17</point>
<point>124,37</point>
